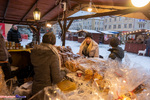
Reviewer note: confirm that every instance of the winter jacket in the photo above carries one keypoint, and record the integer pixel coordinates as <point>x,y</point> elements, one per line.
<point>4,55</point>
<point>93,50</point>
<point>46,68</point>
<point>147,42</point>
<point>116,53</point>
<point>13,36</point>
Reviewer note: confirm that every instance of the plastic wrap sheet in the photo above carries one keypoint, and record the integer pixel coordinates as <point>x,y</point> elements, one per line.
<point>49,93</point>
<point>123,81</point>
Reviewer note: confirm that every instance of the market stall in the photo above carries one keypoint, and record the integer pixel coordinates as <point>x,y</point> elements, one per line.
<point>21,61</point>
<point>97,79</point>
<point>72,35</point>
<point>135,40</point>
<point>96,35</point>
<point>107,35</point>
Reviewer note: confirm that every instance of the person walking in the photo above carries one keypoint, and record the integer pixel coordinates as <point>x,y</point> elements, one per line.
<point>147,42</point>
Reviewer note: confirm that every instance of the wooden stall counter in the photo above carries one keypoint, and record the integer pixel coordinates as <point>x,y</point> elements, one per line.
<point>134,47</point>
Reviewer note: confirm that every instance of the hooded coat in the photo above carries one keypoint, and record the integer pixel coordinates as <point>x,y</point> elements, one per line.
<point>93,49</point>
<point>116,53</point>
<point>13,36</point>
<point>46,67</point>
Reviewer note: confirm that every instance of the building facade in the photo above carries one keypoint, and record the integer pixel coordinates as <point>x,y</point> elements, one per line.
<point>117,23</point>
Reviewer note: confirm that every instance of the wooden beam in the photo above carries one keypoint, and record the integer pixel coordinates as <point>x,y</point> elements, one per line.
<point>29,10</point>
<point>124,3</point>
<point>6,9</point>
<point>60,25</point>
<point>125,11</point>
<point>69,25</point>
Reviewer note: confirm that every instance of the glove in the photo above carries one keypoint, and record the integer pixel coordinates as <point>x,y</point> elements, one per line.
<point>10,60</point>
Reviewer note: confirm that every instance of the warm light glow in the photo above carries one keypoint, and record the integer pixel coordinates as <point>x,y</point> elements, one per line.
<point>36,14</point>
<point>124,81</point>
<point>49,25</point>
<point>140,3</point>
<point>89,9</point>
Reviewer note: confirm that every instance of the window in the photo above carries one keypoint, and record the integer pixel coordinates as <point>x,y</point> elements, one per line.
<point>105,26</point>
<point>119,26</point>
<point>125,25</point>
<point>105,20</point>
<point>109,26</point>
<point>115,19</point>
<point>130,25</point>
<point>114,27</point>
<point>110,19</point>
<point>119,18</point>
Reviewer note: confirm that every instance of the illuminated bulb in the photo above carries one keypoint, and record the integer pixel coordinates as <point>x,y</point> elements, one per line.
<point>139,3</point>
<point>48,25</point>
<point>124,81</point>
<point>89,9</point>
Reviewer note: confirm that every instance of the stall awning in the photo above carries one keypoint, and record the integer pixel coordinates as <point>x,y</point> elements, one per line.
<point>72,31</point>
<point>109,32</point>
<point>89,31</point>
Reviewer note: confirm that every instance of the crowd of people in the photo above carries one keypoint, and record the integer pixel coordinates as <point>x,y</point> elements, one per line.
<point>46,61</point>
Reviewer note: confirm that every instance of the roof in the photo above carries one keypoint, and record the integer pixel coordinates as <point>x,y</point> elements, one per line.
<point>73,31</point>
<point>21,11</point>
<point>89,31</point>
<point>109,32</point>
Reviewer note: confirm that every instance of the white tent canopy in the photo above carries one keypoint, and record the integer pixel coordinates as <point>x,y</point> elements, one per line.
<point>109,32</point>
<point>72,31</point>
<point>89,31</point>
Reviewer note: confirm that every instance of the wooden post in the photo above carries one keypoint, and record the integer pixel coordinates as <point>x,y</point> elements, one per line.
<point>38,33</point>
<point>64,31</point>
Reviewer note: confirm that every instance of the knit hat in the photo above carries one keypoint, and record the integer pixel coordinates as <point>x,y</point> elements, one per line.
<point>88,35</point>
<point>114,42</point>
<point>49,38</point>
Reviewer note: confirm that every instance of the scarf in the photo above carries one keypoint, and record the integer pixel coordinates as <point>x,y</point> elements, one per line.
<point>54,50</point>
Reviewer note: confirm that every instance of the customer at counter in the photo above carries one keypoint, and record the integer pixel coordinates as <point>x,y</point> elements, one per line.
<point>89,48</point>
<point>46,62</point>
<point>117,52</point>
<point>14,35</point>
<point>147,42</point>
<point>5,58</point>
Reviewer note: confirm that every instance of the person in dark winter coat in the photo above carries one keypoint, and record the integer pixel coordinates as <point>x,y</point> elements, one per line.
<point>117,52</point>
<point>5,57</point>
<point>14,35</point>
<point>47,63</point>
<point>147,42</point>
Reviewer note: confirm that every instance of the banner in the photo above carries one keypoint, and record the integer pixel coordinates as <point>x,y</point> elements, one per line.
<point>2,28</point>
